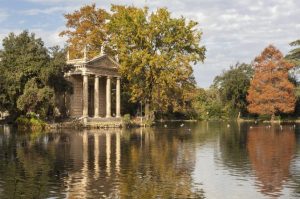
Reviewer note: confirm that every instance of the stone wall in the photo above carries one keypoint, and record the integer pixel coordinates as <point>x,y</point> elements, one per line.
<point>75,109</point>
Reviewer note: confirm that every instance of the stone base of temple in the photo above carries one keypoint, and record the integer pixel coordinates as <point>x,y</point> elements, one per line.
<point>87,122</point>
<point>111,122</point>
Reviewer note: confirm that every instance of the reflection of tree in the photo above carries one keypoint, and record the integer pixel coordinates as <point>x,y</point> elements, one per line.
<point>25,166</point>
<point>270,152</point>
<point>160,167</point>
<point>233,148</point>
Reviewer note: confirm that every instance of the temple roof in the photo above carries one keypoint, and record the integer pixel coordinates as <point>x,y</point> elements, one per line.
<point>99,65</point>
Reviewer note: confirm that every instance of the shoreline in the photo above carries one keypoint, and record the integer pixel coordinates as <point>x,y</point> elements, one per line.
<point>133,123</point>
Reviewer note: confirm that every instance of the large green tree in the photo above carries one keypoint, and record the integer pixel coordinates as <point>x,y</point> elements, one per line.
<point>294,54</point>
<point>22,58</point>
<point>294,57</point>
<point>31,75</point>
<point>207,104</point>
<point>155,51</point>
<point>233,85</point>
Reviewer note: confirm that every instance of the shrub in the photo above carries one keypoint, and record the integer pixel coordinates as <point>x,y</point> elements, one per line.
<point>126,120</point>
<point>31,121</point>
<point>23,122</point>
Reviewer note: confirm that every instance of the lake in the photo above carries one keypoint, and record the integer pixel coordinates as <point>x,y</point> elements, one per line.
<point>172,160</point>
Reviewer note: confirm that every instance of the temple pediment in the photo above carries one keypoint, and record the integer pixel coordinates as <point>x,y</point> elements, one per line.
<point>102,61</point>
<point>100,65</point>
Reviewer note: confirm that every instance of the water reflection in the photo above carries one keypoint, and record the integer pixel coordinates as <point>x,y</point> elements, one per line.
<point>207,159</point>
<point>271,150</point>
<point>143,163</point>
<point>233,149</point>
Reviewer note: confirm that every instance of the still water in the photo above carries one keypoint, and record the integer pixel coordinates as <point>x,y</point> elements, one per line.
<point>197,160</point>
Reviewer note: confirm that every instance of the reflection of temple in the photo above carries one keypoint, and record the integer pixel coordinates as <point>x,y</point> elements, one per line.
<point>87,176</point>
<point>270,153</point>
<point>101,164</point>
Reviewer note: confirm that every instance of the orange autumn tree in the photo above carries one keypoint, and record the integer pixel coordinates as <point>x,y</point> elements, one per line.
<point>270,90</point>
<point>86,28</point>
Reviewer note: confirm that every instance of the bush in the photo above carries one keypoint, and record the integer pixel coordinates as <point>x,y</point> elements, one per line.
<point>126,120</point>
<point>36,123</point>
<point>31,121</point>
<point>23,122</point>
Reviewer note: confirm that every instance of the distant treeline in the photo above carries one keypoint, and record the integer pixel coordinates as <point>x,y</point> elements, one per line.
<point>266,88</point>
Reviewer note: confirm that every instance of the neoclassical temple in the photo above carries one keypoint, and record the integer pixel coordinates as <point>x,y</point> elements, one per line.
<point>92,87</point>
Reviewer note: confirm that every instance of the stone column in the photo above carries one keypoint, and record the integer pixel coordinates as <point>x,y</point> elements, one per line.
<point>108,97</point>
<point>118,98</point>
<point>85,95</point>
<point>96,97</point>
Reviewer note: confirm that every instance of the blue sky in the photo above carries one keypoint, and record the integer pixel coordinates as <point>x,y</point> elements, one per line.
<point>233,30</point>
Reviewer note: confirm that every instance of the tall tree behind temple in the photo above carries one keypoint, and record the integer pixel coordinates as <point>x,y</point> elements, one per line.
<point>270,90</point>
<point>86,28</point>
<point>155,51</point>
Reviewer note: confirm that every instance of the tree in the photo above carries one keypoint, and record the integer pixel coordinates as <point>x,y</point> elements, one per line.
<point>208,104</point>
<point>233,86</point>
<point>86,28</point>
<point>155,51</point>
<point>23,56</point>
<point>294,55</point>
<point>270,90</point>
<point>31,75</point>
<point>36,98</point>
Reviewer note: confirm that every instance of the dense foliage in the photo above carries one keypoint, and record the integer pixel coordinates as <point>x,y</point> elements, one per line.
<point>233,86</point>
<point>226,98</point>
<point>208,105</point>
<point>31,76</point>
<point>294,54</point>
<point>270,91</point>
<point>86,27</point>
